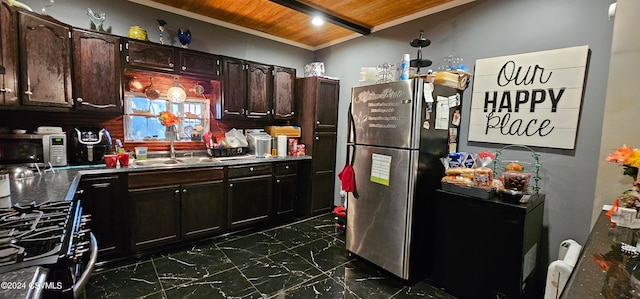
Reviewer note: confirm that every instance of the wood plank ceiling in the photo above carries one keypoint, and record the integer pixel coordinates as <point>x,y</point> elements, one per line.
<point>275,21</point>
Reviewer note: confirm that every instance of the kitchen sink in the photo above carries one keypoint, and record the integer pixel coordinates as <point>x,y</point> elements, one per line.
<point>195,160</point>
<point>170,161</point>
<point>157,161</point>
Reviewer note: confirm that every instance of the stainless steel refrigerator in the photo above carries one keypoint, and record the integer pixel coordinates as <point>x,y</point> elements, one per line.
<point>398,133</point>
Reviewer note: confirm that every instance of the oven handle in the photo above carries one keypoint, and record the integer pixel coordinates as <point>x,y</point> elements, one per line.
<point>84,278</point>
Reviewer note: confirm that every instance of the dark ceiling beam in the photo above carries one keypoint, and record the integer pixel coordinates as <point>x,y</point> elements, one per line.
<point>311,11</point>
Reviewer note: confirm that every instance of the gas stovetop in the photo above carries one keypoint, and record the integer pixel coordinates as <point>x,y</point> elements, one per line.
<point>37,234</point>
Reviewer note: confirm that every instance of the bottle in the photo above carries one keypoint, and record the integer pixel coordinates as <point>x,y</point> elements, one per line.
<point>404,67</point>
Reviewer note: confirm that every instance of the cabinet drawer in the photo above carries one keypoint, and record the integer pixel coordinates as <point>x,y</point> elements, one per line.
<point>249,170</point>
<point>286,168</point>
<point>169,177</point>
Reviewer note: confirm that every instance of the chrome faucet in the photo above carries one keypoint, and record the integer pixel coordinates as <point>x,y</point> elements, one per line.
<point>176,137</point>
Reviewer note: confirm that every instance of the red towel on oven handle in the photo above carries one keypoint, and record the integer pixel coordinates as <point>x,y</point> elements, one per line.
<point>347,176</point>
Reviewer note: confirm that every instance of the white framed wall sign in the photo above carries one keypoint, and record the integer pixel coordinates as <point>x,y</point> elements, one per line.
<point>529,99</point>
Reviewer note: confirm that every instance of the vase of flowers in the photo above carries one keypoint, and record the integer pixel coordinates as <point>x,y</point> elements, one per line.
<point>169,121</point>
<point>629,158</point>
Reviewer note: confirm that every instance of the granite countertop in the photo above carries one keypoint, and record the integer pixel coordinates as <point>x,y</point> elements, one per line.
<point>603,270</point>
<point>62,182</point>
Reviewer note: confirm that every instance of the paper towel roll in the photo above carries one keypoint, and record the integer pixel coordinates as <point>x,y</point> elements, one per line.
<point>282,145</point>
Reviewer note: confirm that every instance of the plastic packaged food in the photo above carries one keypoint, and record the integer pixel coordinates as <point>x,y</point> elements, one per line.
<point>483,178</point>
<point>516,181</point>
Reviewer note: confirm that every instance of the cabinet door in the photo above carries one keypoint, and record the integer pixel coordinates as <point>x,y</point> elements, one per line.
<point>150,56</point>
<point>102,199</point>
<point>8,55</point>
<point>45,62</point>
<point>327,104</point>
<point>324,151</point>
<point>259,92</point>
<point>285,193</point>
<point>283,91</point>
<point>199,64</point>
<point>203,208</point>
<point>154,217</point>
<point>97,72</point>
<point>249,200</point>
<point>234,89</point>
<point>322,191</point>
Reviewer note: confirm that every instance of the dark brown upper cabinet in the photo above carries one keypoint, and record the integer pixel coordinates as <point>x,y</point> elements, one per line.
<point>8,56</point>
<point>259,91</point>
<point>283,92</point>
<point>150,56</point>
<point>256,91</point>
<point>234,89</point>
<point>246,90</point>
<point>45,61</point>
<point>198,63</point>
<point>97,73</point>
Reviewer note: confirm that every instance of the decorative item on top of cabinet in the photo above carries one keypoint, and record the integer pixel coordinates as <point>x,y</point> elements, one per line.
<point>8,56</point>
<point>97,73</point>
<point>146,55</point>
<point>283,92</point>
<point>45,61</point>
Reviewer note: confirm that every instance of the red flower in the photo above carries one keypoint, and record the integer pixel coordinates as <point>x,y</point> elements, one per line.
<point>603,264</point>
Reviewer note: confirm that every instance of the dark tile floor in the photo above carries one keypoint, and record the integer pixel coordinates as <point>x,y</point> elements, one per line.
<point>305,259</point>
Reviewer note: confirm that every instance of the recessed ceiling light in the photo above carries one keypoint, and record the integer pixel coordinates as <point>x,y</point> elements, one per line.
<point>317,21</point>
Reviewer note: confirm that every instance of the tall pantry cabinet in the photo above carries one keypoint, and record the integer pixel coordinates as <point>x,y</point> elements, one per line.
<point>317,103</point>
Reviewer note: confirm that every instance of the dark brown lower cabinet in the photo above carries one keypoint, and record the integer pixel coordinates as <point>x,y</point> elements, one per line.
<point>102,199</point>
<point>249,194</point>
<point>154,216</point>
<point>322,193</point>
<point>203,208</point>
<point>285,191</point>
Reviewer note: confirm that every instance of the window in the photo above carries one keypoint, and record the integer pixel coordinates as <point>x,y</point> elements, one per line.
<point>141,118</point>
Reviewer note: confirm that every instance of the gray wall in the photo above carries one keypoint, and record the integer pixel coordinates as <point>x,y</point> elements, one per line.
<point>122,14</point>
<point>494,28</point>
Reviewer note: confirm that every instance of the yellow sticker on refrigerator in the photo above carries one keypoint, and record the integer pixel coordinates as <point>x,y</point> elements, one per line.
<point>380,169</point>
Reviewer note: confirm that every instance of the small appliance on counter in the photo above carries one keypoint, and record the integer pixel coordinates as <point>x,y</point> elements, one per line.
<point>88,145</point>
<point>259,143</point>
<point>46,147</point>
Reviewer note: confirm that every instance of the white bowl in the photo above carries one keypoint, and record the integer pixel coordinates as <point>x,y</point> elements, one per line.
<point>19,131</point>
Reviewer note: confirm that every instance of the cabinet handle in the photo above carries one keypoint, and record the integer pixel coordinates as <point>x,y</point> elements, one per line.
<point>184,68</point>
<point>317,122</point>
<point>184,190</point>
<point>251,168</point>
<point>177,191</point>
<point>28,92</point>
<point>317,138</point>
<point>7,90</point>
<point>286,167</point>
<point>80,192</point>
<point>278,181</point>
<point>230,185</point>
<point>127,58</point>
<point>79,100</point>
<point>170,64</point>
<point>293,112</point>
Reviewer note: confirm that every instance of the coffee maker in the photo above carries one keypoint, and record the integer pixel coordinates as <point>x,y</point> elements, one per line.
<point>88,145</point>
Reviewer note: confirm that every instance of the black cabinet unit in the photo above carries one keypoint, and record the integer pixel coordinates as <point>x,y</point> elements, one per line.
<point>249,194</point>
<point>487,248</point>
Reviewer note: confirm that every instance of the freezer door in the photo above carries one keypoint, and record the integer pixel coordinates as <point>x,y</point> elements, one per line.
<point>379,219</point>
<point>386,114</point>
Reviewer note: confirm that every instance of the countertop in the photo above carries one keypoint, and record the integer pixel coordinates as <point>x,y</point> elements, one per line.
<point>61,183</point>
<point>603,270</point>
